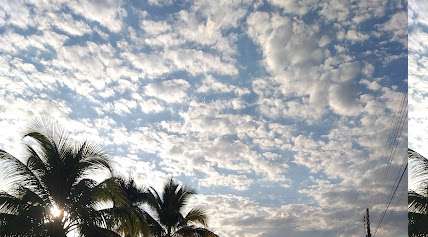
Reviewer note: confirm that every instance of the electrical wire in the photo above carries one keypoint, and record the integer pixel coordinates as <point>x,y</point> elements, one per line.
<point>390,200</point>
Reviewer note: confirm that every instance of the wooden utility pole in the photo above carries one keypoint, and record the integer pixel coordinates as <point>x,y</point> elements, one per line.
<point>367,223</point>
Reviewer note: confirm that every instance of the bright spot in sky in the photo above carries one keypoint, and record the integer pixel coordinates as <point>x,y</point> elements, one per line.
<point>55,211</point>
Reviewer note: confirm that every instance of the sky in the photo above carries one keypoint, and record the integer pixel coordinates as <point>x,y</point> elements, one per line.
<point>282,115</point>
<point>418,69</point>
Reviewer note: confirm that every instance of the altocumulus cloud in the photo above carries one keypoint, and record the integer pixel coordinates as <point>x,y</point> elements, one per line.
<point>418,19</point>
<point>277,112</point>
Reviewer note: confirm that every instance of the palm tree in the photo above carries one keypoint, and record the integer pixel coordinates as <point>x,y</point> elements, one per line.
<point>170,220</point>
<point>52,194</point>
<point>418,194</point>
<point>136,216</point>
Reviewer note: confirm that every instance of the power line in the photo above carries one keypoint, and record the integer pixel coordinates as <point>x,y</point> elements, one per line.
<point>393,141</point>
<point>390,200</point>
<point>394,189</point>
<point>397,125</point>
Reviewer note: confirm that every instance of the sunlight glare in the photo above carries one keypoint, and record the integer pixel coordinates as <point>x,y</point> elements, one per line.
<point>55,211</point>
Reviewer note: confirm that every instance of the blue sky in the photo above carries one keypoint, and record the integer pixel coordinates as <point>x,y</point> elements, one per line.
<point>276,112</point>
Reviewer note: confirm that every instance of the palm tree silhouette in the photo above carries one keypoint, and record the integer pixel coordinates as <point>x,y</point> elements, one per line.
<point>52,194</point>
<point>170,220</point>
<point>418,194</point>
<point>137,224</point>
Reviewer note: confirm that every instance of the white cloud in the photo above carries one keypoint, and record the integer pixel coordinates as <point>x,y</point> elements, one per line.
<point>285,43</point>
<point>206,22</point>
<point>151,106</point>
<point>66,23</point>
<point>298,58</point>
<point>238,135</point>
<point>238,182</point>
<point>197,62</point>
<point>170,91</point>
<point>295,6</point>
<point>107,13</point>
<point>155,27</point>
<point>211,85</point>
<point>343,99</point>
<point>192,61</point>
<point>160,2</point>
<point>252,219</point>
<point>397,26</point>
<point>338,11</point>
<point>417,77</point>
<point>15,14</point>
<point>124,106</point>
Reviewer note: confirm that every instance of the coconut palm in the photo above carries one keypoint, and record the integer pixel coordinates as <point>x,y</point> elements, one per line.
<point>136,216</point>
<point>169,218</point>
<point>51,193</point>
<point>418,194</point>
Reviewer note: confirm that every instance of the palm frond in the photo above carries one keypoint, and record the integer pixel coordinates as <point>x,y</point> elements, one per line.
<point>35,162</point>
<point>21,215</point>
<point>176,195</point>
<point>197,215</point>
<point>10,204</point>
<point>55,174</point>
<point>183,194</point>
<point>193,231</point>
<point>417,224</point>
<point>15,168</point>
<point>21,226</point>
<point>91,230</point>
<point>420,168</point>
<point>154,200</point>
<point>155,227</point>
<point>110,190</point>
<point>92,157</point>
<point>29,196</point>
<point>21,173</point>
<point>127,220</point>
<point>418,202</point>
<point>134,194</point>
<point>48,146</point>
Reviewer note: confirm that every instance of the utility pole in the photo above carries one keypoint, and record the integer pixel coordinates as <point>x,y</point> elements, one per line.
<point>367,223</point>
